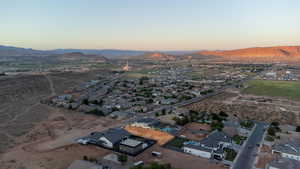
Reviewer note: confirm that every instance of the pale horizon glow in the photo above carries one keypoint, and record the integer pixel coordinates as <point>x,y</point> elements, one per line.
<point>149,25</point>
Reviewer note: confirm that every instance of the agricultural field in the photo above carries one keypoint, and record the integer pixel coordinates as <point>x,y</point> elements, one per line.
<point>287,89</point>
<point>141,73</point>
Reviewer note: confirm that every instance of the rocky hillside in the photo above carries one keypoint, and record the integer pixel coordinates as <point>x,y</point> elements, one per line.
<point>79,56</point>
<point>279,53</point>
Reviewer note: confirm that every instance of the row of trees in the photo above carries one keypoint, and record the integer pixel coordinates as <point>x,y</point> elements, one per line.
<point>154,166</point>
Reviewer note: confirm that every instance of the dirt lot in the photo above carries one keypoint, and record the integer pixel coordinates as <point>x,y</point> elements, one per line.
<point>50,144</point>
<point>178,159</point>
<point>260,108</point>
<point>59,158</point>
<point>36,136</point>
<point>191,131</point>
<point>161,137</point>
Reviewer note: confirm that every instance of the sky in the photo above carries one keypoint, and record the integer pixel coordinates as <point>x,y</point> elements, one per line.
<point>149,24</point>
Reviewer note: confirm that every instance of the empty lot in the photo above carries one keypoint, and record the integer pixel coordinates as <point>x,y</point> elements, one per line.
<point>178,159</point>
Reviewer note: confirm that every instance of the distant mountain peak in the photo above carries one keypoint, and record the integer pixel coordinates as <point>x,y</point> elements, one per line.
<point>277,53</point>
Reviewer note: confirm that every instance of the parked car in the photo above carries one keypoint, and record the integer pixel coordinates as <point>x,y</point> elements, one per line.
<point>139,163</point>
<point>83,141</point>
<point>156,154</point>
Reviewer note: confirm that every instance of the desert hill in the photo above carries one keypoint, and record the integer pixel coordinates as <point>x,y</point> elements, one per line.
<point>160,56</point>
<point>278,53</point>
<point>79,55</point>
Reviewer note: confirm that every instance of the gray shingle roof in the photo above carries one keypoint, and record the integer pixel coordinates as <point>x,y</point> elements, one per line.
<point>198,147</point>
<point>288,148</point>
<point>149,121</point>
<point>131,142</point>
<point>285,163</point>
<point>215,138</point>
<point>114,135</point>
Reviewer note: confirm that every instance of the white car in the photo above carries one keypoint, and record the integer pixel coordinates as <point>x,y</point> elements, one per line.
<point>83,141</point>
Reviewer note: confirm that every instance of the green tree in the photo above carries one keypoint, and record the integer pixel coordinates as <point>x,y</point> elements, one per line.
<point>271,131</point>
<point>154,166</point>
<point>163,112</point>
<point>122,158</point>
<point>85,101</point>
<point>298,129</point>
<point>275,124</point>
<point>217,125</point>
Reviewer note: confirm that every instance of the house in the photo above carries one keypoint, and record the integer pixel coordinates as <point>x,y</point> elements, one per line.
<point>121,115</point>
<point>168,101</point>
<point>211,146</point>
<point>109,138</point>
<point>291,151</point>
<point>198,150</point>
<point>244,131</point>
<point>131,146</point>
<point>217,138</point>
<point>283,163</point>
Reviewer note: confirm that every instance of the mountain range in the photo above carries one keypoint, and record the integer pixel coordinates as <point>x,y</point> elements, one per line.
<point>6,51</point>
<point>277,53</point>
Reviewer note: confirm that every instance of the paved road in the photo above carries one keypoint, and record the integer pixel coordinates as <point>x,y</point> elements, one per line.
<point>248,153</point>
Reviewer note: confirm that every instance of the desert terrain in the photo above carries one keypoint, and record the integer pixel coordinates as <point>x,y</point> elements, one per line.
<point>246,106</point>
<point>288,54</point>
<point>36,132</point>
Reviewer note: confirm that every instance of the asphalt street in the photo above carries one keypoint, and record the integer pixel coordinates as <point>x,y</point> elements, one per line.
<point>248,153</point>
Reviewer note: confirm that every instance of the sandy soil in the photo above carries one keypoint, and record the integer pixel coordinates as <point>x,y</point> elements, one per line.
<point>253,107</point>
<point>178,159</point>
<point>54,139</point>
<point>161,137</point>
<point>190,131</point>
<point>37,136</point>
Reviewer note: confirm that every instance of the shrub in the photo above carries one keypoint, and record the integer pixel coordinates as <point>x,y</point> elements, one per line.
<point>275,124</point>
<point>85,101</point>
<point>298,129</point>
<point>217,125</point>
<point>95,112</point>
<point>230,154</point>
<point>163,112</point>
<point>247,124</point>
<point>269,138</point>
<point>271,131</point>
<point>154,166</point>
<point>223,114</point>
<point>122,158</point>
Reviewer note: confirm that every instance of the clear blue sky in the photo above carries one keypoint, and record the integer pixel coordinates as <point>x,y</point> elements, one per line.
<point>149,24</point>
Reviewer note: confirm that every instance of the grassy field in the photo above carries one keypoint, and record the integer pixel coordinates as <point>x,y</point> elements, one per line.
<point>141,73</point>
<point>288,89</point>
